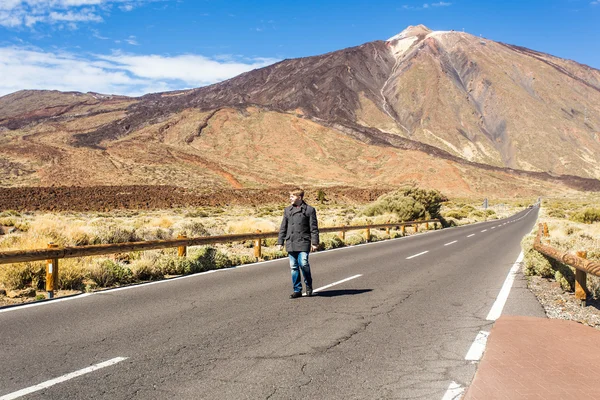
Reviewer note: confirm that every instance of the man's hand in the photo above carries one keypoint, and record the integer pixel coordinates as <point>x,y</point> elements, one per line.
<point>313,247</point>
<point>279,247</point>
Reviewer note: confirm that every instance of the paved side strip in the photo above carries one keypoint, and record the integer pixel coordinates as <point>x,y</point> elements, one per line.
<point>60,379</point>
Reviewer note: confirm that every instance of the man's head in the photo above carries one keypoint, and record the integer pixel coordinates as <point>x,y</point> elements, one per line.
<point>296,196</point>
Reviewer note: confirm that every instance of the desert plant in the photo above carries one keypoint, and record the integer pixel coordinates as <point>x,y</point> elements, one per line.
<point>587,216</point>
<point>109,273</point>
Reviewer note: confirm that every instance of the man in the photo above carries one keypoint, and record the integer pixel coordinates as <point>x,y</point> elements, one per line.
<point>300,231</point>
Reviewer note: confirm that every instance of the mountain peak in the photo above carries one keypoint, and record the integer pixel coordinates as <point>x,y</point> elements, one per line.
<point>411,31</point>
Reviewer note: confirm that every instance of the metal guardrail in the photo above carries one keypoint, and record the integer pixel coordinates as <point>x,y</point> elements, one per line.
<point>577,261</point>
<point>53,253</point>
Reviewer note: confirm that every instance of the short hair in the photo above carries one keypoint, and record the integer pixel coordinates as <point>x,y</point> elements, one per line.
<point>297,192</point>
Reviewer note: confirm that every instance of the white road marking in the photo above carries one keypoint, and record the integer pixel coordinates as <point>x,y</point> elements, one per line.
<point>332,284</point>
<point>496,310</point>
<point>478,346</point>
<point>60,379</point>
<point>417,255</point>
<point>484,230</point>
<point>493,227</point>
<point>472,234</point>
<point>448,244</point>
<point>454,392</point>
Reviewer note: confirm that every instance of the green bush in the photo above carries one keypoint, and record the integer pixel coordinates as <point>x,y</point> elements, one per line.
<point>587,216</point>
<point>330,241</point>
<point>408,204</point>
<point>108,273</point>
<point>456,214</point>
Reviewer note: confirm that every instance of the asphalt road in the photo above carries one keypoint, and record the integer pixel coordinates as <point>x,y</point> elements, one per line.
<point>400,328</point>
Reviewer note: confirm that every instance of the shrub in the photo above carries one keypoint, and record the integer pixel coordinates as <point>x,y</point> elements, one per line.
<point>587,216</point>
<point>152,233</point>
<point>408,204</point>
<point>71,276</point>
<point>534,263</point>
<point>113,233</point>
<point>456,214</point>
<point>108,273</point>
<point>330,241</point>
<point>196,214</point>
<point>144,270</point>
<point>15,276</point>
<point>354,239</point>
<point>193,229</point>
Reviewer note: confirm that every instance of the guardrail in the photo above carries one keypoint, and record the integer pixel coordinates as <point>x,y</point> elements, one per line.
<point>53,253</point>
<point>578,261</point>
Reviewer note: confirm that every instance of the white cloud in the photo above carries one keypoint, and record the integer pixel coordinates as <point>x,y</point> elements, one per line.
<point>427,6</point>
<point>118,73</point>
<point>16,13</point>
<point>132,41</point>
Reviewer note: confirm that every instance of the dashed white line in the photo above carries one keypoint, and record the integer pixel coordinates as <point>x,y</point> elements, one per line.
<point>485,230</point>
<point>496,310</point>
<point>478,346</point>
<point>493,227</point>
<point>448,244</point>
<point>454,392</point>
<point>417,255</point>
<point>472,234</point>
<point>334,283</point>
<point>60,379</point>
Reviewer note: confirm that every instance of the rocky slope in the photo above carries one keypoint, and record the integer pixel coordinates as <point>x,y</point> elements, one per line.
<point>447,109</point>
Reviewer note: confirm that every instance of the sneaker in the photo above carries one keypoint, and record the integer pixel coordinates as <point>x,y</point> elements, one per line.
<point>295,295</point>
<point>309,291</point>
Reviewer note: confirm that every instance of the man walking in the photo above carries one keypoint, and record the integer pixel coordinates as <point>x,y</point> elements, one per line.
<point>300,231</point>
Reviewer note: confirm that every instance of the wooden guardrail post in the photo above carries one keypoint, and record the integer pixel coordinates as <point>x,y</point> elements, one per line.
<point>546,233</point>
<point>416,228</point>
<point>258,247</point>
<point>182,250</point>
<point>426,226</point>
<point>368,234</point>
<point>51,273</point>
<point>342,235</point>
<point>581,281</point>
<point>403,230</point>
<point>387,231</point>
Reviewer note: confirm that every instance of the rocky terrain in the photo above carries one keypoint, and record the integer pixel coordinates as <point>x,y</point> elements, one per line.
<point>451,111</point>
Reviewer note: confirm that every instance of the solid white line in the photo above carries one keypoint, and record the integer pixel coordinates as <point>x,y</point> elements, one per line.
<point>454,392</point>
<point>52,382</point>
<point>484,230</point>
<point>478,346</point>
<point>496,310</point>
<point>417,255</point>
<point>332,284</point>
<point>472,234</point>
<point>448,244</point>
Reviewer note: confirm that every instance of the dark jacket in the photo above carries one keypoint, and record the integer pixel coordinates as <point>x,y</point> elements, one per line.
<point>299,228</point>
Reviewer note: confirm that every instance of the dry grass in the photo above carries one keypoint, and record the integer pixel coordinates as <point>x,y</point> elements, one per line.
<point>89,273</point>
<point>568,235</point>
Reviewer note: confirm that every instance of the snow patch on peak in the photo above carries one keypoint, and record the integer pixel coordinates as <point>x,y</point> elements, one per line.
<point>410,32</point>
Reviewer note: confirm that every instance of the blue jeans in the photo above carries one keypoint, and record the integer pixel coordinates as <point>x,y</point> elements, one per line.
<point>299,261</point>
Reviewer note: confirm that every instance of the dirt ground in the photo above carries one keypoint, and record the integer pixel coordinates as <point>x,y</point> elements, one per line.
<point>107,198</point>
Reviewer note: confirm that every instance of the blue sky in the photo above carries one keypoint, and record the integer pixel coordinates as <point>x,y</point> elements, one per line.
<point>134,47</point>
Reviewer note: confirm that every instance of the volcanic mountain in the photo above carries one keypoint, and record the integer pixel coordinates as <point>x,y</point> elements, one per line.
<point>449,110</point>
